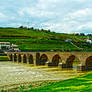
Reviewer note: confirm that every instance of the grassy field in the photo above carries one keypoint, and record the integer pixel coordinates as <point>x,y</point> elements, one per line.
<point>41,40</point>
<point>4,58</point>
<point>82,83</point>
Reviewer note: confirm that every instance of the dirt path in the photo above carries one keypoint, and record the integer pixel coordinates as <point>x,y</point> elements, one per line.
<point>13,74</point>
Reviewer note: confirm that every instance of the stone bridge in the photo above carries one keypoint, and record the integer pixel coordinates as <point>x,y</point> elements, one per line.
<point>82,60</point>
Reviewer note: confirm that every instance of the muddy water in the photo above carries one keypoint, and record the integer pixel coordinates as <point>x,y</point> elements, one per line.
<point>12,73</point>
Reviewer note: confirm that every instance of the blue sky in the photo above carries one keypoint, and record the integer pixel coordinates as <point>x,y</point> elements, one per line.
<point>64,16</point>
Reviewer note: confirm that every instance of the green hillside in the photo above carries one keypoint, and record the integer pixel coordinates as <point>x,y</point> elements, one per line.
<point>34,39</point>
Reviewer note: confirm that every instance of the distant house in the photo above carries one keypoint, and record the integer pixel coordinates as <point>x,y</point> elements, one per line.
<point>14,47</point>
<point>68,40</point>
<point>7,46</point>
<point>88,41</point>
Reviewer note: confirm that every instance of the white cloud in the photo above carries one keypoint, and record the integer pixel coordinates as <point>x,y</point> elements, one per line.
<point>80,1</point>
<point>14,24</point>
<point>87,12</point>
<point>57,15</point>
<point>43,9</point>
<point>59,27</point>
<point>78,21</point>
<point>35,12</point>
<point>85,26</point>
<point>2,15</point>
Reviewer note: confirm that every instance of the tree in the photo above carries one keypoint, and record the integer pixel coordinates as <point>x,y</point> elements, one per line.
<point>23,27</point>
<point>32,28</point>
<point>82,34</point>
<point>89,34</point>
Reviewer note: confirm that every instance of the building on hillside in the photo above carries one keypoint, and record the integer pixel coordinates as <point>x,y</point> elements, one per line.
<point>14,47</point>
<point>88,41</point>
<point>7,46</point>
<point>68,40</point>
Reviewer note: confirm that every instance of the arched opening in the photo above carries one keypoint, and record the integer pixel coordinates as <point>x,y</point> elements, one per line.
<point>72,62</point>
<point>24,59</point>
<point>19,58</point>
<point>89,63</point>
<point>15,57</point>
<point>43,59</point>
<point>55,60</point>
<point>31,59</point>
<point>11,57</point>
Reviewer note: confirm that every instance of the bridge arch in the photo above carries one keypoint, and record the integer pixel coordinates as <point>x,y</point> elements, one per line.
<point>19,58</point>
<point>72,62</point>
<point>30,59</point>
<point>88,64</point>
<point>24,58</point>
<point>43,59</point>
<point>15,57</point>
<point>56,60</point>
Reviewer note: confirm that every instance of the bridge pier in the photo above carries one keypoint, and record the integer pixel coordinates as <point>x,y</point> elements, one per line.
<point>62,65</point>
<point>17,58</point>
<point>27,58</point>
<point>81,68</point>
<point>13,57</point>
<point>10,57</point>
<point>82,65</point>
<point>22,59</point>
<point>37,59</point>
<point>49,63</point>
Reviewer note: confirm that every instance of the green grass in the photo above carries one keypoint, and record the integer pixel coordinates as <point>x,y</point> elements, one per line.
<point>79,84</point>
<point>4,58</point>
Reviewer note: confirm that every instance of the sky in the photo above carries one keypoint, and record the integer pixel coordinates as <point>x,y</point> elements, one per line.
<point>63,16</point>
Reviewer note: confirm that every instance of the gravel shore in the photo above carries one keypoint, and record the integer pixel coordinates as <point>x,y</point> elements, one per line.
<point>13,74</point>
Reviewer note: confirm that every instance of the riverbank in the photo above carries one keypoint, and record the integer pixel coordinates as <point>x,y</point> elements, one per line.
<point>18,74</point>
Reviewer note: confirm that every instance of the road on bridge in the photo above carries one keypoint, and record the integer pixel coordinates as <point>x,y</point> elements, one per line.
<point>13,74</point>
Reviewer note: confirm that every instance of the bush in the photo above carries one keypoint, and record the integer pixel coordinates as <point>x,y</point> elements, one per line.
<point>4,58</point>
